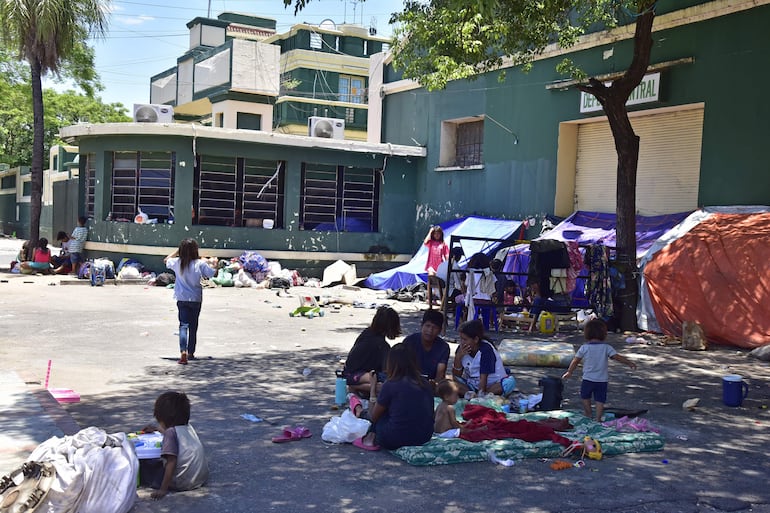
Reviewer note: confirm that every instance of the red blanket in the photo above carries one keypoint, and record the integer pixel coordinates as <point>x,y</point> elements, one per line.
<point>487,424</point>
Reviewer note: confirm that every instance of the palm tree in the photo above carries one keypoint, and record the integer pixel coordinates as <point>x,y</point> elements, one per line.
<point>45,33</point>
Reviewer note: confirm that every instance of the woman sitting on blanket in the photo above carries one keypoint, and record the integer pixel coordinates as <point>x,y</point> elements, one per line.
<point>370,351</point>
<point>478,367</point>
<point>402,413</point>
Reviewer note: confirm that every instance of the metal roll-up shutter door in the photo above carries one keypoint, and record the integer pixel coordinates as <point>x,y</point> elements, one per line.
<point>669,164</point>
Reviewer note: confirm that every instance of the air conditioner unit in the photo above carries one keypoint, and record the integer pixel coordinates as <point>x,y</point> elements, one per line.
<point>152,113</point>
<point>328,128</point>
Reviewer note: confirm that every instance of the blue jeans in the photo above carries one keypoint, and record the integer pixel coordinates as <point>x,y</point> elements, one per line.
<point>189,311</point>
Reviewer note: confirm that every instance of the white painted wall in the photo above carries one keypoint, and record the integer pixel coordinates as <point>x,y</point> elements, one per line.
<point>212,36</point>
<point>185,84</point>
<point>256,67</point>
<point>195,35</point>
<point>374,114</point>
<point>230,109</point>
<point>163,90</point>
<point>213,71</point>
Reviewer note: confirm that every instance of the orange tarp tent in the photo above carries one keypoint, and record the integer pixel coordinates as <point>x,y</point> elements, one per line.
<point>717,274</point>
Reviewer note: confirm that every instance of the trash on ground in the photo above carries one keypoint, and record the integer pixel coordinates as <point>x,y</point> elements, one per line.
<point>690,404</point>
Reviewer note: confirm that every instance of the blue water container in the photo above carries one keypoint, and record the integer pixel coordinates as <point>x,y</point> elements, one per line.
<point>340,389</point>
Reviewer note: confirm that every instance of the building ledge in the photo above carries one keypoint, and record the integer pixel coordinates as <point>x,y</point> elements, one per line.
<point>73,132</point>
<point>478,167</point>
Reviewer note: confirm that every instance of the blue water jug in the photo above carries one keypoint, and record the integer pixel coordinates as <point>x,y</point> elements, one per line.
<point>340,389</point>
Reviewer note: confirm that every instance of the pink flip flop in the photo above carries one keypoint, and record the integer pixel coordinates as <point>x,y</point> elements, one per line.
<point>291,434</point>
<point>302,432</point>
<point>354,403</point>
<point>359,442</point>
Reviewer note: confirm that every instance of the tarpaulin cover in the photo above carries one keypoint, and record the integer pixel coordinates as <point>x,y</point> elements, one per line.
<point>599,228</point>
<point>591,228</point>
<point>717,274</point>
<point>414,271</point>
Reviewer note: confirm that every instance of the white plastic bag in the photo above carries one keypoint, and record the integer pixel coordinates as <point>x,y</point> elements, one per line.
<point>95,472</point>
<point>345,428</point>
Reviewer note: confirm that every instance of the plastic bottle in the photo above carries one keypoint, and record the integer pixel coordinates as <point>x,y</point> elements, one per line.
<point>340,389</point>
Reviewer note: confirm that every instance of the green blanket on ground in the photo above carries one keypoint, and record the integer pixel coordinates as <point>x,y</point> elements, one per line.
<point>443,451</point>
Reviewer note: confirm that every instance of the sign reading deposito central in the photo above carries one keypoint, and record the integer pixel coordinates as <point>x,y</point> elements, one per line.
<point>647,91</point>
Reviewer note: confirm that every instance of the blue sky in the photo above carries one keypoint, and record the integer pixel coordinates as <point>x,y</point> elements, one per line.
<point>145,37</point>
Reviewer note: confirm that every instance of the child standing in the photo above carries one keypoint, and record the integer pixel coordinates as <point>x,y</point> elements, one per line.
<point>189,268</point>
<point>446,423</point>
<point>595,367</point>
<point>438,252</point>
<point>183,465</point>
<point>76,243</point>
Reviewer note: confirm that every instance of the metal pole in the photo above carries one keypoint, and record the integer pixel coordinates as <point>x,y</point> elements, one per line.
<point>208,14</point>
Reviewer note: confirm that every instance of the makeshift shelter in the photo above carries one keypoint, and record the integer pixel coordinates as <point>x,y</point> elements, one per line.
<point>714,269</point>
<point>414,271</point>
<point>587,228</point>
<point>599,228</point>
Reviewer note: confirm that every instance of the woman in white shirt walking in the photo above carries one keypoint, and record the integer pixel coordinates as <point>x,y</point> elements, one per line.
<point>189,268</point>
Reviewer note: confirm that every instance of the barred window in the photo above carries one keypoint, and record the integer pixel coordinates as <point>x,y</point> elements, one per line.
<point>339,198</point>
<point>216,186</point>
<point>462,142</point>
<point>470,139</point>
<point>89,183</point>
<point>142,181</point>
<point>233,191</point>
<point>263,192</point>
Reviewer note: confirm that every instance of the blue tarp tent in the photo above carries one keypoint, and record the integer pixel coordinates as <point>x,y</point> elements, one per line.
<point>414,271</point>
<point>591,228</point>
<point>599,228</point>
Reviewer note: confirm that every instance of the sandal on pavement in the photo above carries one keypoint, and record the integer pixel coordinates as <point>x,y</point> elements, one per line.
<point>359,442</point>
<point>355,402</point>
<point>302,432</point>
<point>292,434</point>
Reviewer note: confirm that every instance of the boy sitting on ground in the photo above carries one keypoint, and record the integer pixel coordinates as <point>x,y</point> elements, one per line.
<point>445,420</point>
<point>183,463</point>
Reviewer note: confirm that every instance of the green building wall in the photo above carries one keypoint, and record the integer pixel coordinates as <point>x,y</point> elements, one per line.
<point>519,175</point>
<point>396,204</point>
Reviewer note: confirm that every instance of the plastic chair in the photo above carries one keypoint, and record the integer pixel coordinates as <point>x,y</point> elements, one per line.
<point>487,312</point>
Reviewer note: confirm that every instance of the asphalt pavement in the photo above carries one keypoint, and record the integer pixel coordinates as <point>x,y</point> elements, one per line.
<point>116,347</point>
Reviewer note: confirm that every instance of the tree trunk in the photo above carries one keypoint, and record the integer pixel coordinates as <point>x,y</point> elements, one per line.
<point>613,100</point>
<point>627,148</point>
<point>38,157</point>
